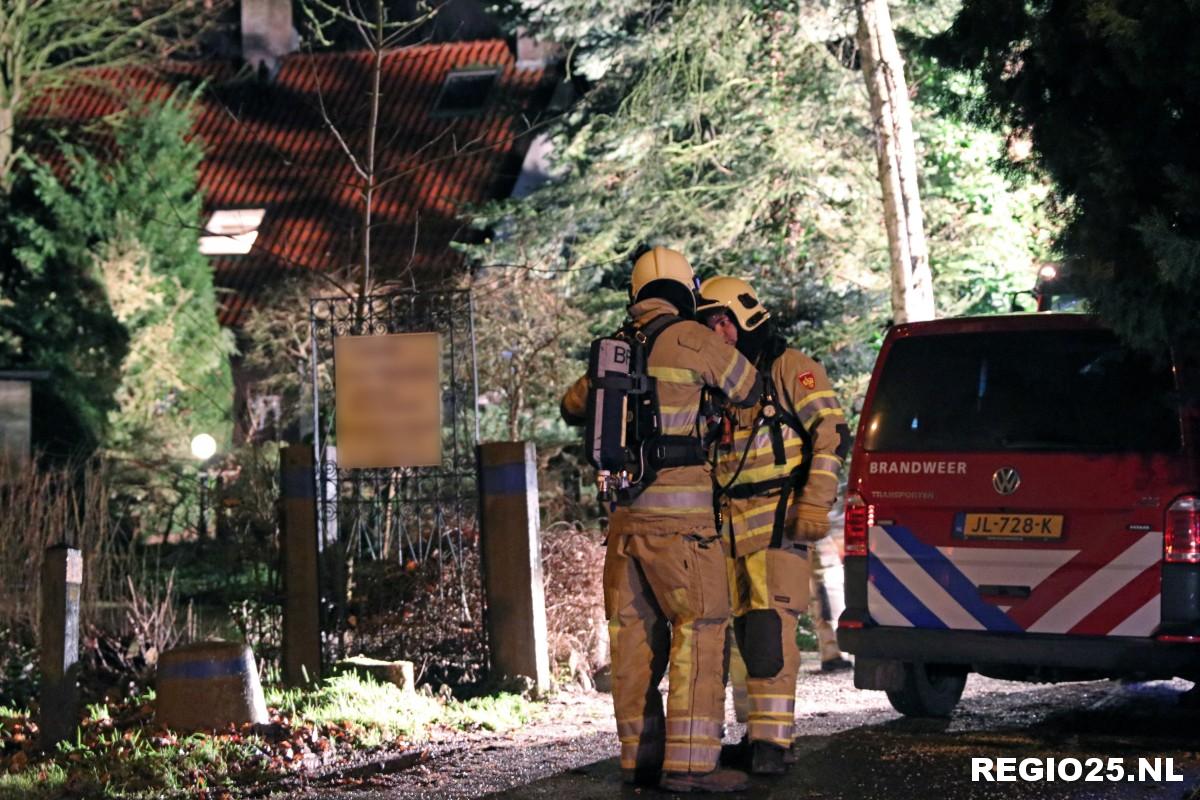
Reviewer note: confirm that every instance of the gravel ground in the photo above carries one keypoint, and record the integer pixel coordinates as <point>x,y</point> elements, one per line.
<point>888,756</point>
<point>576,728</point>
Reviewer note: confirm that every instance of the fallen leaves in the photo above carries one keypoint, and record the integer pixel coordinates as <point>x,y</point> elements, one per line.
<point>18,762</point>
<point>121,747</point>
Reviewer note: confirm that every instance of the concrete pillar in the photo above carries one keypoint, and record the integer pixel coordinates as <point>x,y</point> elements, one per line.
<point>62,578</point>
<point>301,573</point>
<point>208,685</point>
<point>512,564</point>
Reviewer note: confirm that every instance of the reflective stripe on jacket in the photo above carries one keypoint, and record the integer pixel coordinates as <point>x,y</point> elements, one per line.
<point>686,358</point>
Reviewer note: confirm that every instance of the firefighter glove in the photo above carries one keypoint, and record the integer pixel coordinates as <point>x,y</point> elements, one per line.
<point>811,523</point>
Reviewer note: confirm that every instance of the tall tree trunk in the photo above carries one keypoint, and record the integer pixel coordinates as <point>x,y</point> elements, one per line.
<point>7,149</point>
<point>10,95</point>
<point>883,69</point>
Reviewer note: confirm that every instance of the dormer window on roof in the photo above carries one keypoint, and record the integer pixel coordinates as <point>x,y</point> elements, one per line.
<point>231,232</point>
<point>466,91</point>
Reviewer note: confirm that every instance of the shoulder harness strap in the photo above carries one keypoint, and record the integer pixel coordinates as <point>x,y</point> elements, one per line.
<point>664,450</point>
<point>647,334</point>
<point>775,416</point>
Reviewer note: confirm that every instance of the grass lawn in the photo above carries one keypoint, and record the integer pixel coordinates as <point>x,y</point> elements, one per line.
<point>120,751</point>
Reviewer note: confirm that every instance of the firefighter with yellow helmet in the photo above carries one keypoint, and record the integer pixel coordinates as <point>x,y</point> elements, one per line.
<point>777,477</point>
<point>665,589</point>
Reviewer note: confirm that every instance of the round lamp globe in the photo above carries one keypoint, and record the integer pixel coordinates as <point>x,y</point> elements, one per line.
<point>203,446</point>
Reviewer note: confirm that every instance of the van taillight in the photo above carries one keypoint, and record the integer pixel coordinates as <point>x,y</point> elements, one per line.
<point>859,518</point>
<point>1181,531</point>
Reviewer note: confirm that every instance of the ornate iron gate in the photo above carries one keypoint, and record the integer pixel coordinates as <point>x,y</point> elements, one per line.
<point>402,546</point>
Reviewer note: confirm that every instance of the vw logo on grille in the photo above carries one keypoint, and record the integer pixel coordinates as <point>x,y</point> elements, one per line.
<point>1005,480</point>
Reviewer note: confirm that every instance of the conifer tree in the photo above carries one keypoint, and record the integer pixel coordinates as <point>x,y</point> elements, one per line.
<point>1108,93</point>
<point>146,366</point>
<point>739,131</point>
<point>46,44</point>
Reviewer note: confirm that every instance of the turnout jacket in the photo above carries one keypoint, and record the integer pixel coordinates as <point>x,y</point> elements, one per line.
<point>686,358</point>
<point>802,390</point>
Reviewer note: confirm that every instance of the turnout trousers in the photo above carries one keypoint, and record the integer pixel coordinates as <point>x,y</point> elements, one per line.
<point>768,588</point>
<point>667,604</point>
<point>829,594</point>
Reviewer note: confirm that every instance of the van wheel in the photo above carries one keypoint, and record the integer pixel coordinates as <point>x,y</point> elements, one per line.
<point>930,690</point>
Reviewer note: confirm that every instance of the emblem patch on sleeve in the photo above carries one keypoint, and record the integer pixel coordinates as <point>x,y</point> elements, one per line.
<point>807,380</point>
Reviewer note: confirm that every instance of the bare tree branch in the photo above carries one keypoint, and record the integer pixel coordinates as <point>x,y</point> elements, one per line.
<point>45,44</point>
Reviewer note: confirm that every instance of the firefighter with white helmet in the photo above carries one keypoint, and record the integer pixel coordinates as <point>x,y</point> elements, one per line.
<point>664,573</point>
<point>777,477</point>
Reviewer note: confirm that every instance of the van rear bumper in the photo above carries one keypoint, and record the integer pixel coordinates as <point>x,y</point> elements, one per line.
<point>1112,656</point>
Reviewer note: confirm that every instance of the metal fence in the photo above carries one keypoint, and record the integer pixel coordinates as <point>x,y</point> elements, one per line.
<point>405,542</point>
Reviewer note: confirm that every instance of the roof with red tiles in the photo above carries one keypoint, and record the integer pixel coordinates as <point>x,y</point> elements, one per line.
<point>270,145</point>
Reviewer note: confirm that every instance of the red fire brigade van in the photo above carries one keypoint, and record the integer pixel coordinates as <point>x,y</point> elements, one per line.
<point>1023,502</point>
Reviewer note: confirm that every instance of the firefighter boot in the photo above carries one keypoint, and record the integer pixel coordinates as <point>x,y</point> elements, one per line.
<point>647,769</point>
<point>642,776</point>
<point>736,755</point>
<point>715,782</point>
<point>767,758</point>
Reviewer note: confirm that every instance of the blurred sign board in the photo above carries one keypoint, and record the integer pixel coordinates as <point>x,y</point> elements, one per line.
<point>388,400</point>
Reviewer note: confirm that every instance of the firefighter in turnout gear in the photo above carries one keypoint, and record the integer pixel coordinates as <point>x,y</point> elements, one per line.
<point>828,599</point>
<point>777,477</point>
<point>665,592</point>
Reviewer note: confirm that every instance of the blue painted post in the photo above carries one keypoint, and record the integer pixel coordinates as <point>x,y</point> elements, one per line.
<point>301,573</point>
<point>512,564</point>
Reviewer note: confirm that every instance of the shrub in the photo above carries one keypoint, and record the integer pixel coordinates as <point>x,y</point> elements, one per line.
<point>46,506</point>
<point>572,573</point>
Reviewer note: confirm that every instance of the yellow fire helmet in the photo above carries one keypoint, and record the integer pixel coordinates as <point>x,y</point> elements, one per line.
<point>662,272</point>
<point>735,295</point>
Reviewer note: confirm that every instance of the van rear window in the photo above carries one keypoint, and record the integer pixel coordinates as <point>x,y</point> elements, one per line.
<point>1029,390</point>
